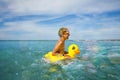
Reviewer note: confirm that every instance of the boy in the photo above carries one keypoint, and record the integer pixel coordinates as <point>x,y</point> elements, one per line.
<point>60,46</point>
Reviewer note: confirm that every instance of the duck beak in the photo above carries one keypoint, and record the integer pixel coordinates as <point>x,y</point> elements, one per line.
<point>77,51</point>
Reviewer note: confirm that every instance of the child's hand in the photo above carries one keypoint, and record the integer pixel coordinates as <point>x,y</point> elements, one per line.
<point>53,54</point>
<point>67,56</point>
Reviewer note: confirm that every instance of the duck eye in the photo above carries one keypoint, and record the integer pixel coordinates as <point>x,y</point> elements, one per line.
<point>73,47</point>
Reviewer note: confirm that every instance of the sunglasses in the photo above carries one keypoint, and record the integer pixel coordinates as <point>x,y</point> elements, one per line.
<point>67,33</point>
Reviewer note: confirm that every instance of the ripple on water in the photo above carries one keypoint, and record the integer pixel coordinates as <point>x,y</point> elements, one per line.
<point>114,58</point>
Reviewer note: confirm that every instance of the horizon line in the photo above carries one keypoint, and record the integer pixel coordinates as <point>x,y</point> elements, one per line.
<point>68,40</point>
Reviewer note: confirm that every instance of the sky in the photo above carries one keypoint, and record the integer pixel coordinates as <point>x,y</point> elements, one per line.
<point>41,19</point>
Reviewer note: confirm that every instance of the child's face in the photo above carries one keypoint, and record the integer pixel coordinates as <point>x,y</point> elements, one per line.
<point>66,35</point>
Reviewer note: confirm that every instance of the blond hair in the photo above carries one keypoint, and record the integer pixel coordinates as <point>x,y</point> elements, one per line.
<point>62,31</point>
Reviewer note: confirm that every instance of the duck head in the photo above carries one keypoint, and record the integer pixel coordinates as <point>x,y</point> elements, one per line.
<point>73,50</point>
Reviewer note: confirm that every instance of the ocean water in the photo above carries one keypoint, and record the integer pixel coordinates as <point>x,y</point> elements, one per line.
<point>23,60</point>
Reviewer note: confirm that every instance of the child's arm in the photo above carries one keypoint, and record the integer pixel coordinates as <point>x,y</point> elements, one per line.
<point>65,54</point>
<point>56,48</point>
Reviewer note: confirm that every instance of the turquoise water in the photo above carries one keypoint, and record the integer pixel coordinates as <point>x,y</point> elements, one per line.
<point>23,60</point>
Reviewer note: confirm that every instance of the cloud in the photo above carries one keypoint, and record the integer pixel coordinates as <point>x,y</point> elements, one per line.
<point>27,30</point>
<point>41,19</point>
<point>102,33</point>
<point>61,7</point>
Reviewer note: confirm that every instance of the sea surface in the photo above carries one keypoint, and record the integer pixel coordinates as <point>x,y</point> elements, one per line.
<point>24,60</point>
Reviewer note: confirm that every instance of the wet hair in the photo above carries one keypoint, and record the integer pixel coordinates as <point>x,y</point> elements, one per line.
<point>62,31</point>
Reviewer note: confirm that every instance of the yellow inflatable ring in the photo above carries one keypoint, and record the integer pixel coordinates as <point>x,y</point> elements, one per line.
<point>73,50</point>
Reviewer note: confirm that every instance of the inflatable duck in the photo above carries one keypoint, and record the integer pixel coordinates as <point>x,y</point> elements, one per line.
<point>73,50</point>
